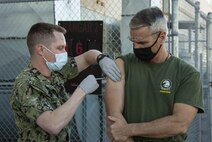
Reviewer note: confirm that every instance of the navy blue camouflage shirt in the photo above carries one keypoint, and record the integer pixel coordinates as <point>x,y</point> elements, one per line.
<point>34,94</point>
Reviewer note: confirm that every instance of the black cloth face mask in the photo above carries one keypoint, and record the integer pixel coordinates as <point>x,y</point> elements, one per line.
<point>146,54</point>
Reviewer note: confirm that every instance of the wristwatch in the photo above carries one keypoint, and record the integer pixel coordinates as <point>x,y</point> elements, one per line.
<point>100,57</point>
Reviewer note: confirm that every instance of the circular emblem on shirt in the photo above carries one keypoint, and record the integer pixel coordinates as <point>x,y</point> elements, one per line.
<point>166,84</point>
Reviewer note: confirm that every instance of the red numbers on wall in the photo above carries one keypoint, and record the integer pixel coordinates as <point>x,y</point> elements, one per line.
<point>79,48</point>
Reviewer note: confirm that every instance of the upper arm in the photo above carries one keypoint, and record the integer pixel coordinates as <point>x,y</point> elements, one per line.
<point>81,62</point>
<point>115,92</point>
<point>70,70</point>
<point>86,59</point>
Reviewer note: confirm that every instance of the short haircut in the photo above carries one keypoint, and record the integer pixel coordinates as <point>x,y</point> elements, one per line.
<point>150,17</point>
<point>42,33</point>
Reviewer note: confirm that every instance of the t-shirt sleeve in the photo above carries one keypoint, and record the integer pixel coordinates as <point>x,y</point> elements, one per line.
<point>70,70</point>
<point>190,91</point>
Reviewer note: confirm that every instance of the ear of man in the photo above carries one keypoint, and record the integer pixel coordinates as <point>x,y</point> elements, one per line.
<point>163,37</point>
<point>39,50</point>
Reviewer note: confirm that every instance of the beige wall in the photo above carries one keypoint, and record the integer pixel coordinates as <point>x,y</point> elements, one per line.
<point>206,6</point>
<point>104,7</point>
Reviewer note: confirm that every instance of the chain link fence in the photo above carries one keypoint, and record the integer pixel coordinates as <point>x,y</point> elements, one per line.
<point>89,122</point>
<point>192,49</point>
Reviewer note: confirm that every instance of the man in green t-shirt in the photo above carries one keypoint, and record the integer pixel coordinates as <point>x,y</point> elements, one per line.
<point>158,95</point>
<point>43,109</point>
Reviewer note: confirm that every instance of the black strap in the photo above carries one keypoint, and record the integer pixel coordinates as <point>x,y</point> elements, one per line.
<point>100,57</point>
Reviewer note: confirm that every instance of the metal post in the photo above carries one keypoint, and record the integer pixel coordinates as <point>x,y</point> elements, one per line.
<point>208,59</point>
<point>101,118</point>
<point>209,46</point>
<point>189,40</point>
<point>197,25</point>
<point>175,21</point>
<point>84,120</point>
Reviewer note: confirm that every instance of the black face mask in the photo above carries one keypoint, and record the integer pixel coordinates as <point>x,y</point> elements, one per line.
<point>146,54</point>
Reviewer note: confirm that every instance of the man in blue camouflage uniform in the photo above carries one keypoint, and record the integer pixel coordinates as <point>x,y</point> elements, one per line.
<point>43,109</point>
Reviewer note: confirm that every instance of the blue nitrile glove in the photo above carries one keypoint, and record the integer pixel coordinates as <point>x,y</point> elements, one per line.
<point>89,84</point>
<point>110,68</point>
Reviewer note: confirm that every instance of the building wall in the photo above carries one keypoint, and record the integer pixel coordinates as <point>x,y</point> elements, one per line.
<point>206,6</point>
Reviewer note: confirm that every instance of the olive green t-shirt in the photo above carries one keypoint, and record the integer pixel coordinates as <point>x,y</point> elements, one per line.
<point>152,89</point>
<point>34,94</point>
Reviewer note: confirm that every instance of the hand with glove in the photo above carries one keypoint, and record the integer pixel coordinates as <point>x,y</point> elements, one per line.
<point>109,67</point>
<point>89,84</point>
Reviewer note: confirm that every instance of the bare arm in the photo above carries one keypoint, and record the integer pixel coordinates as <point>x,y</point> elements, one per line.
<point>115,99</point>
<point>115,93</point>
<point>167,126</point>
<point>177,123</point>
<point>107,65</point>
<point>86,59</point>
<point>54,121</point>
